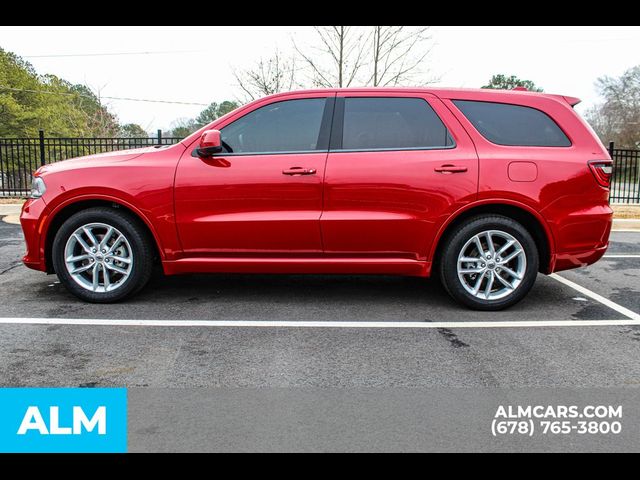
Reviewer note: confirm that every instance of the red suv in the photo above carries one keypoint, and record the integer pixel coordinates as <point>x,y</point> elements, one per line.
<point>482,188</point>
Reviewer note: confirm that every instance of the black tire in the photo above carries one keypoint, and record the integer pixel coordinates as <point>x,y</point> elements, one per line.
<point>454,243</point>
<point>135,233</point>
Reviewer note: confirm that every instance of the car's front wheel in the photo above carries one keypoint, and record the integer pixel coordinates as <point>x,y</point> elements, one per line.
<point>489,263</point>
<point>102,255</point>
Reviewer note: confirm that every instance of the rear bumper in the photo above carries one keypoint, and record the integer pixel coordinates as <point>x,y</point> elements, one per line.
<point>566,261</point>
<point>34,212</point>
<point>583,238</point>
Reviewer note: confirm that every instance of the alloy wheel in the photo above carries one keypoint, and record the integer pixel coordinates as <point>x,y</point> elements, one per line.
<point>98,257</point>
<point>491,265</point>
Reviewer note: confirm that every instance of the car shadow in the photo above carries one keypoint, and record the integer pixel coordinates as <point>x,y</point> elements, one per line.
<point>343,297</point>
<point>298,297</point>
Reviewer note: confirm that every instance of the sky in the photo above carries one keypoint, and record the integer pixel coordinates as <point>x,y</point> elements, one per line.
<point>195,64</point>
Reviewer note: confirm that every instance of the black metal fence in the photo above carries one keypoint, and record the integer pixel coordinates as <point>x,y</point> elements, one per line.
<point>20,157</point>
<point>625,181</point>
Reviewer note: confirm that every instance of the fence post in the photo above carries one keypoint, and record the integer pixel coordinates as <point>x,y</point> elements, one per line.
<point>159,137</point>
<point>42,156</point>
<point>611,149</point>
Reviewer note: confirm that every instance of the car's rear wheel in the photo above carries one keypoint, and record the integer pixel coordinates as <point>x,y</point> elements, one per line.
<point>489,263</point>
<point>102,255</point>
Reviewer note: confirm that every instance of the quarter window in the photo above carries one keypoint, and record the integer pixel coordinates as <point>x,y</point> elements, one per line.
<point>287,126</point>
<point>392,123</point>
<point>513,125</point>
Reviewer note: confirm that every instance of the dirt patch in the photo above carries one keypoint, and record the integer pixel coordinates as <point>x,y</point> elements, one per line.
<point>626,211</point>
<point>11,201</point>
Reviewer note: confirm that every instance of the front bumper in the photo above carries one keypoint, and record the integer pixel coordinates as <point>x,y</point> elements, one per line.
<point>32,219</point>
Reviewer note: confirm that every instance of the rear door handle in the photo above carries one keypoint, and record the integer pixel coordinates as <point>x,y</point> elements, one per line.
<point>448,168</point>
<point>299,171</point>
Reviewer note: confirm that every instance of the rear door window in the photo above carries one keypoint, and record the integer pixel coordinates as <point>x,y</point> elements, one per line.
<point>513,125</point>
<point>394,123</point>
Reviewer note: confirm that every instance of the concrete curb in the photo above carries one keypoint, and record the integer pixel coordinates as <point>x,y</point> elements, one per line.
<point>626,224</point>
<point>13,219</point>
<point>10,209</point>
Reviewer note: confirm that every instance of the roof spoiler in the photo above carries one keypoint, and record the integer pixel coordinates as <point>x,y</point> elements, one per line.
<point>573,101</point>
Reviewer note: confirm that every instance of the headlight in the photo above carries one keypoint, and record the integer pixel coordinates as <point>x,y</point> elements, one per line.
<point>37,187</point>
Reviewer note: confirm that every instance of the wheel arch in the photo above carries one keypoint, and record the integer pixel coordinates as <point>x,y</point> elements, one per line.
<point>65,210</point>
<point>528,217</point>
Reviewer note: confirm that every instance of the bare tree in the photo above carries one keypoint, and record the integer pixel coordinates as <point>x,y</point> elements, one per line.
<point>378,56</point>
<point>345,56</point>
<point>398,55</point>
<point>93,115</point>
<point>618,117</point>
<point>269,76</point>
<point>339,58</point>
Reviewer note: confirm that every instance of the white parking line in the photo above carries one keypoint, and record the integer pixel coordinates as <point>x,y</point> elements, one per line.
<point>313,324</point>
<point>599,298</point>
<point>633,319</point>
<point>615,255</point>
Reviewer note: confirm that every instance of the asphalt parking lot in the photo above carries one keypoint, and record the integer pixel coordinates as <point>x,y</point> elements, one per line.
<point>445,353</point>
<point>328,363</point>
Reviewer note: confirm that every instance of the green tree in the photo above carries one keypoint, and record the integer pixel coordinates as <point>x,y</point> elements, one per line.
<point>502,82</point>
<point>29,102</point>
<point>617,118</point>
<point>132,130</point>
<point>182,128</point>
<point>213,111</point>
<point>73,110</point>
<point>18,96</point>
<point>226,107</point>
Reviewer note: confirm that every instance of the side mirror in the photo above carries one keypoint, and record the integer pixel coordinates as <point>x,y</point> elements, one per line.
<point>210,143</point>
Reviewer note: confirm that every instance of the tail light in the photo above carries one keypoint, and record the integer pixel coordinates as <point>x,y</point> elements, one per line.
<point>602,170</point>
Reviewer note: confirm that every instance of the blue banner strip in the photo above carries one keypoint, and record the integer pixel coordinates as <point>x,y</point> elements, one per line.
<point>63,420</point>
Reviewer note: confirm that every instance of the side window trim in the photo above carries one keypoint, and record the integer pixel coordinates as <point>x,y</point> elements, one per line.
<point>256,154</point>
<point>337,130</point>
<point>324,134</point>
<point>394,149</point>
<point>324,137</point>
<point>338,125</point>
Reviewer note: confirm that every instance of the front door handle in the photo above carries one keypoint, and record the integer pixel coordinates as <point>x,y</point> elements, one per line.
<point>299,171</point>
<point>449,168</point>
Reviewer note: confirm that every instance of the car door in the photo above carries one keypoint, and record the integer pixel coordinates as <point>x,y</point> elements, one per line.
<point>263,195</point>
<point>399,165</point>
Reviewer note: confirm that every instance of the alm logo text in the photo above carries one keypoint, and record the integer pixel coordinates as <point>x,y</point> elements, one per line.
<point>63,420</point>
<point>81,422</point>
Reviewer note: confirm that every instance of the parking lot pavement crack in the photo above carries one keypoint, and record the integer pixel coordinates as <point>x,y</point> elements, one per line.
<point>11,267</point>
<point>452,338</point>
<point>472,360</point>
<point>633,332</point>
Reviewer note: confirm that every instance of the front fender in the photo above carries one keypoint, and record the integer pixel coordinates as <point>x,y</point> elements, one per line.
<point>166,249</point>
